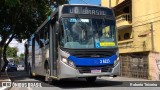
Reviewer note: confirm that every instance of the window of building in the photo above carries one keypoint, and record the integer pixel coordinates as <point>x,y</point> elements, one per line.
<point>126,36</point>
<point>126,9</point>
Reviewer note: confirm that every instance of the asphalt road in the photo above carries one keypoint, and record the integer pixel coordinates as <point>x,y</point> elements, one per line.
<point>104,83</point>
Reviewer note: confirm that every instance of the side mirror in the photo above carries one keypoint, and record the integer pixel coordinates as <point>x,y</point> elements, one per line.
<point>57,27</point>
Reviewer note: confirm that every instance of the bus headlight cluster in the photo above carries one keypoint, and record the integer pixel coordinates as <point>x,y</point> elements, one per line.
<point>68,62</point>
<point>116,61</point>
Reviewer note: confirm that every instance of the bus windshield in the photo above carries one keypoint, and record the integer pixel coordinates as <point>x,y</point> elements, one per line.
<point>79,33</point>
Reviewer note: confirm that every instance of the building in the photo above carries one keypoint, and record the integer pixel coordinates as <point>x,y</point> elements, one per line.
<point>138,26</point>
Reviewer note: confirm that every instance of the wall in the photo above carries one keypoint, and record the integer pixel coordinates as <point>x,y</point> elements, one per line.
<point>144,12</point>
<point>154,72</point>
<point>105,3</point>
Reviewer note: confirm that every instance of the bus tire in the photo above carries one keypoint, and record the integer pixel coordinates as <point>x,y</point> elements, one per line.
<point>30,71</point>
<point>91,79</point>
<point>48,79</point>
<point>47,71</point>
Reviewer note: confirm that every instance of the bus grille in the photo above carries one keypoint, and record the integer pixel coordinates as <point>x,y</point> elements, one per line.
<point>107,68</point>
<point>93,53</point>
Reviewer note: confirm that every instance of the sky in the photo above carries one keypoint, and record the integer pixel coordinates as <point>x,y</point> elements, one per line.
<point>94,2</point>
<point>20,46</point>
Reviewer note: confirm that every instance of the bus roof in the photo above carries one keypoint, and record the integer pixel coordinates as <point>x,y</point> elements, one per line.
<point>83,5</point>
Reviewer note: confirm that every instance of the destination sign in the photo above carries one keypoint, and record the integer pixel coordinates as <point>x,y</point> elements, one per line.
<point>92,10</point>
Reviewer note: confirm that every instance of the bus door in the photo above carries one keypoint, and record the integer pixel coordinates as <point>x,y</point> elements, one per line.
<point>53,51</point>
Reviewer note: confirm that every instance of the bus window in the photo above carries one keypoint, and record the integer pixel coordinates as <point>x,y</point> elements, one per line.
<point>39,41</point>
<point>46,35</point>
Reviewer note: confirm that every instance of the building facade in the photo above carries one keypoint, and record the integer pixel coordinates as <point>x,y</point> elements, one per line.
<point>138,26</point>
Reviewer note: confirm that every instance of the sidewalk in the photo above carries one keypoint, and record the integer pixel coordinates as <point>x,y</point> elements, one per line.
<point>4,78</point>
<point>122,79</point>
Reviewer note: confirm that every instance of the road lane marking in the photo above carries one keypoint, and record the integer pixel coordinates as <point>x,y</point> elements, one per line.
<point>3,88</point>
<point>29,88</point>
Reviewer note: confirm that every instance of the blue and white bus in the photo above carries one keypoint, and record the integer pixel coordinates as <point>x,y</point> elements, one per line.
<point>75,41</point>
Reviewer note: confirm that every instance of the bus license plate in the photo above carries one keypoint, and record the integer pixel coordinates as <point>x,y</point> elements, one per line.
<point>96,71</point>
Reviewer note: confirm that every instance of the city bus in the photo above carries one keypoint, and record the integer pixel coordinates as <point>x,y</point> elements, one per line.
<point>75,41</point>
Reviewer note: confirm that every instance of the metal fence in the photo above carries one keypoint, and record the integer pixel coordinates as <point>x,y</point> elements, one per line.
<point>134,65</point>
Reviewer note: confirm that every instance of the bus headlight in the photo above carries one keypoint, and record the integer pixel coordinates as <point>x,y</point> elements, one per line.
<point>64,60</point>
<point>68,62</point>
<point>116,61</point>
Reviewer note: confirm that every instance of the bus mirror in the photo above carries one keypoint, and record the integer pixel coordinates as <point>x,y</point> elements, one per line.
<point>57,27</point>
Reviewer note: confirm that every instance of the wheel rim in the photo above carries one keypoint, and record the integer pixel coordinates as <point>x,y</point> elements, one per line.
<point>47,75</point>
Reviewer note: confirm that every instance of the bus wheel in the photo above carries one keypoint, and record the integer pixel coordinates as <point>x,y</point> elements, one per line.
<point>47,76</point>
<point>91,79</point>
<point>30,72</point>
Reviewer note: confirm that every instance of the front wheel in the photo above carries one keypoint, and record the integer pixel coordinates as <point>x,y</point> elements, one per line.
<point>30,72</point>
<point>91,79</point>
<point>47,76</point>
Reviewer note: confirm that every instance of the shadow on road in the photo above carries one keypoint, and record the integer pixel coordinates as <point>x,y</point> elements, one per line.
<point>18,75</point>
<point>65,83</point>
<point>81,83</point>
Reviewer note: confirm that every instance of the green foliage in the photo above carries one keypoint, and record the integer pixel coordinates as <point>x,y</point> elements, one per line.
<point>20,18</point>
<point>11,52</point>
<point>16,60</point>
<point>12,3</point>
<point>60,2</point>
<point>21,57</point>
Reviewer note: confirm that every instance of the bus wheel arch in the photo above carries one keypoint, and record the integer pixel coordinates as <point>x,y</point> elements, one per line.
<point>46,64</point>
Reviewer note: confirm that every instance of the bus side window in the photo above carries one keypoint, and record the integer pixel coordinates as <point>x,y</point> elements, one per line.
<point>41,39</point>
<point>46,35</point>
<point>55,18</point>
<point>36,41</point>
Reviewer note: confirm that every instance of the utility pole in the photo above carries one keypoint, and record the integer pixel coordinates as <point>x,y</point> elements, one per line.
<point>109,3</point>
<point>152,37</point>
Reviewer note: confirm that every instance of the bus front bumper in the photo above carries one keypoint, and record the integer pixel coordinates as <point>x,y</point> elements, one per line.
<point>66,71</point>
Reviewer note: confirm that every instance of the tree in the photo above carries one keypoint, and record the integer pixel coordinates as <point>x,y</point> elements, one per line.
<point>21,57</point>
<point>12,52</point>
<point>19,19</point>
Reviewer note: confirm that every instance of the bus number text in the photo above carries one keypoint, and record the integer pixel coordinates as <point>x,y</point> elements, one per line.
<point>104,61</point>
